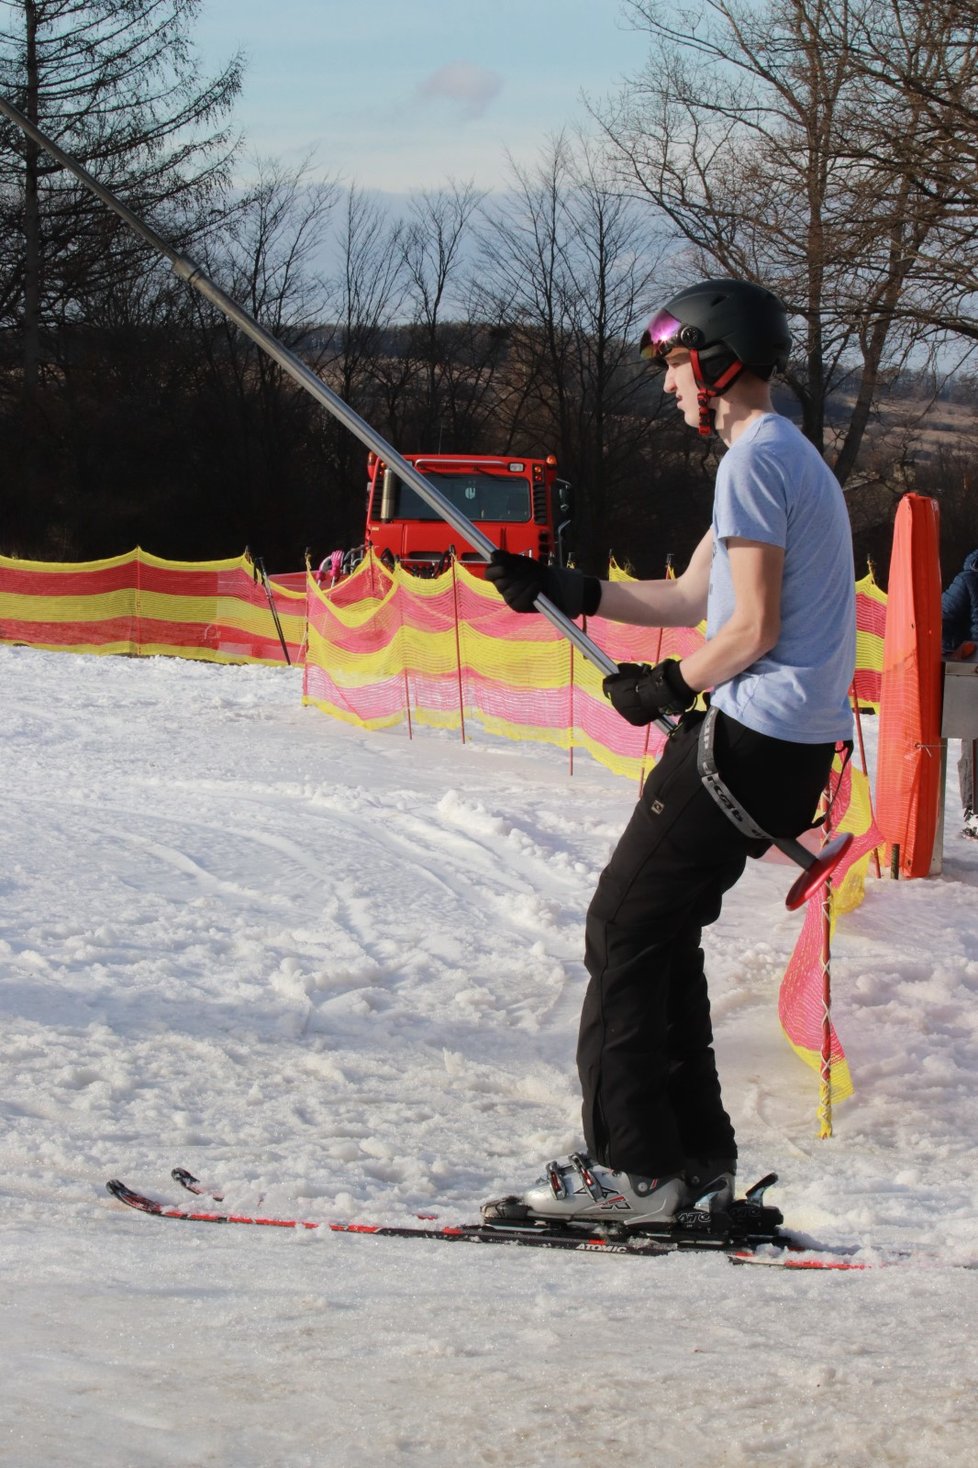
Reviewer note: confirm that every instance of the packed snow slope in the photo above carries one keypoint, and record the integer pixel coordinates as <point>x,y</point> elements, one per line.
<point>340,972</point>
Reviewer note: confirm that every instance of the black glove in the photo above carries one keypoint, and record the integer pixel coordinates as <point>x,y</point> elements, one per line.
<point>520,580</point>
<point>640,693</point>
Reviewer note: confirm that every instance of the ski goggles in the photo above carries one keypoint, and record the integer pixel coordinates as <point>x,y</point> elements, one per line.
<point>664,334</point>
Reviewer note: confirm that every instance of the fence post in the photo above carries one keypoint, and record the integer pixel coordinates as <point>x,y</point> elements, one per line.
<point>458,652</point>
<point>138,608</point>
<point>865,768</point>
<point>570,707</point>
<point>825,1060</point>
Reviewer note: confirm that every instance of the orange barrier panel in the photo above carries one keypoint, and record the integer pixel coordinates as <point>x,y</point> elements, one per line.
<point>142,605</point>
<point>908,758</point>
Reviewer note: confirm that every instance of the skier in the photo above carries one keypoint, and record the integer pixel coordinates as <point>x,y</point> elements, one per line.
<point>774,578</point>
<point>959,636</point>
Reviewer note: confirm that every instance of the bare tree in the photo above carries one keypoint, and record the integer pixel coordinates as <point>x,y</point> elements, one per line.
<point>443,374</point>
<point>567,261</point>
<point>366,297</point>
<point>260,436</point>
<point>921,60</point>
<point>437,348</point>
<point>764,137</point>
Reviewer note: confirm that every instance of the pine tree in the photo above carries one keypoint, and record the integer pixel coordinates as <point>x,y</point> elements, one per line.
<point>118,85</point>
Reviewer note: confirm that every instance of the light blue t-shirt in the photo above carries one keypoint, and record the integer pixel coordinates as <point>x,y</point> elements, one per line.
<point>774,486</point>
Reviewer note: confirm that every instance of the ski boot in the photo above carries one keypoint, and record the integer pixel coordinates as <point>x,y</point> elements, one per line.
<point>575,1190</point>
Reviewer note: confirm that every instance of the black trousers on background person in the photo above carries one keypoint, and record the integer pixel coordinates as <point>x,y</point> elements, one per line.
<point>645,1050</point>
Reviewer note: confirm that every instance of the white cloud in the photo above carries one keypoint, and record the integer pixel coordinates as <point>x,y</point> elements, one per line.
<point>471,88</point>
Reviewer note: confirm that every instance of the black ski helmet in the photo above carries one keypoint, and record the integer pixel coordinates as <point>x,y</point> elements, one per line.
<point>726,326</point>
<point>720,317</point>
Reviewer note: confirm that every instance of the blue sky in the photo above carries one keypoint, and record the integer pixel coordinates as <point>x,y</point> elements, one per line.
<point>405,94</point>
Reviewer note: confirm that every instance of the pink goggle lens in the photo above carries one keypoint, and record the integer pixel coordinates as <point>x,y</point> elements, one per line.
<point>660,336</point>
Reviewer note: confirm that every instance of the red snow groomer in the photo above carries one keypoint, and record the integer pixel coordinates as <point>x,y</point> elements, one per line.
<point>520,504</point>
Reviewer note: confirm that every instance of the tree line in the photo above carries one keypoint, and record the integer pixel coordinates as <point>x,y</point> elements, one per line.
<point>825,147</point>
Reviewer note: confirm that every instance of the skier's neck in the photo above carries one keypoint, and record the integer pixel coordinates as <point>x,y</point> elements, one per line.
<point>747,401</point>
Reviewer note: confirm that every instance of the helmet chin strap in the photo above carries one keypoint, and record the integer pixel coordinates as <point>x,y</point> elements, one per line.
<point>707,391</point>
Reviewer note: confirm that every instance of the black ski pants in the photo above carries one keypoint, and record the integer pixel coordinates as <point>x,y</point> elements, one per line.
<point>645,1051</point>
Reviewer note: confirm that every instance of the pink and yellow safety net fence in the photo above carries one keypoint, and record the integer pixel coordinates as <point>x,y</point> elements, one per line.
<point>141,605</point>
<point>386,648</point>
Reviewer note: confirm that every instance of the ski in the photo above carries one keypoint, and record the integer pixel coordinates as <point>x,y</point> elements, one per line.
<point>742,1248</point>
<point>527,1235</point>
<point>194,1185</point>
<point>766,1245</point>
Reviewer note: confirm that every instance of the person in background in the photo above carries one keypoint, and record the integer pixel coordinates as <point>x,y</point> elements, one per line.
<point>959,639</point>
<point>773,576</point>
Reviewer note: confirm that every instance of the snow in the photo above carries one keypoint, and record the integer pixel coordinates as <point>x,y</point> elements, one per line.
<point>339,973</point>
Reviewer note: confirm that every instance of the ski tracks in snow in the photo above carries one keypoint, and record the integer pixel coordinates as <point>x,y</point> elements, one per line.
<point>222,902</point>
